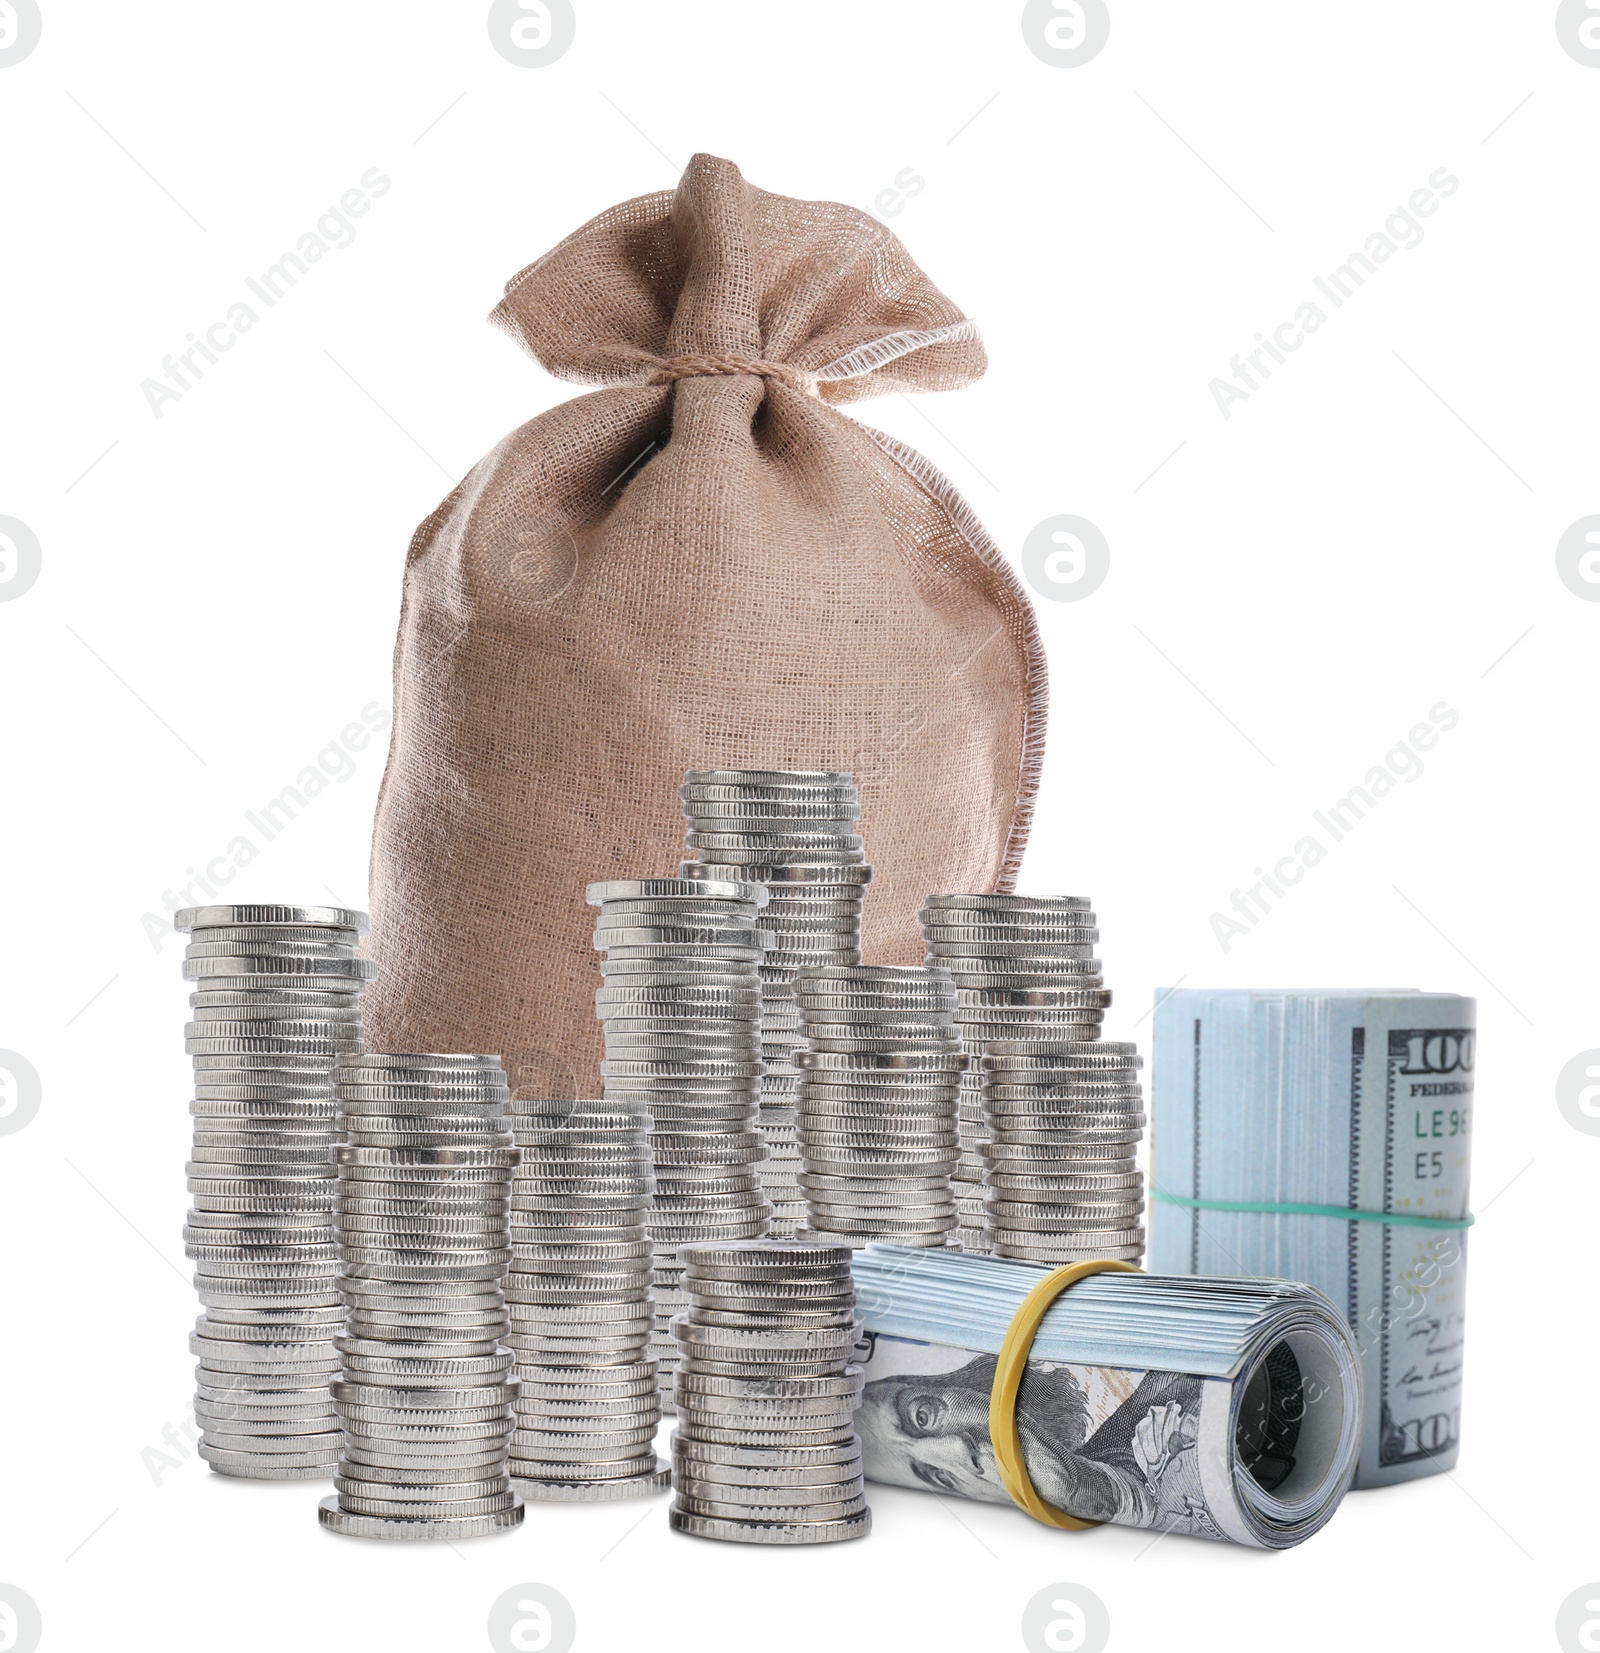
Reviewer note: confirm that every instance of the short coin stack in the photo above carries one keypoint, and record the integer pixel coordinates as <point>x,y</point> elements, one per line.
<point>276,1005</point>
<point>881,1072</point>
<point>1023,969</point>
<point>1066,1120</point>
<point>425,1400</point>
<point>579,1301</point>
<point>681,1005</point>
<point>792,830</point>
<point>765,1451</point>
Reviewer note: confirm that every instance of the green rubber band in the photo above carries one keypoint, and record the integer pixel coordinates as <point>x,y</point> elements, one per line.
<point>1397,1219</point>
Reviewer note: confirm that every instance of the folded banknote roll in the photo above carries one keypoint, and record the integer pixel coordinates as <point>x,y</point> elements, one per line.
<point>1214,1408</point>
<point>1326,1137</point>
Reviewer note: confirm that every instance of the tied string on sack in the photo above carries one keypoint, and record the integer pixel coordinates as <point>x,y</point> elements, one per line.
<point>709,366</point>
<point>1010,1365</point>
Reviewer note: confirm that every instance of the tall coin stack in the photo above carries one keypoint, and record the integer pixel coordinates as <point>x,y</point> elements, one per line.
<point>425,1399</point>
<point>1066,1119</point>
<point>681,1006</point>
<point>880,1076</point>
<point>765,1451</point>
<point>276,1004</point>
<point>792,830</point>
<point>1022,967</point>
<point>579,1300</point>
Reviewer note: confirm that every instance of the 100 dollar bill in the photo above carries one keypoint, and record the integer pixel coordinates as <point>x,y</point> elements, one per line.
<point>1337,1101</point>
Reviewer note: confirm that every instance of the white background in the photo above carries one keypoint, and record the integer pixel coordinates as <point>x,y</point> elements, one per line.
<point>1289,592</point>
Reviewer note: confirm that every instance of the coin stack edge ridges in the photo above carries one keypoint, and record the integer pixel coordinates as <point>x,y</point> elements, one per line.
<point>580,1306</point>
<point>880,1076</point>
<point>680,1009</point>
<point>427,1388</point>
<point>816,878</point>
<point>275,1006</point>
<point>765,1450</point>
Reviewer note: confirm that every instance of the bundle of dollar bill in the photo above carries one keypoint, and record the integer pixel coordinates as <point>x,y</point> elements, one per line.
<point>1212,1408</point>
<point>1327,1136</point>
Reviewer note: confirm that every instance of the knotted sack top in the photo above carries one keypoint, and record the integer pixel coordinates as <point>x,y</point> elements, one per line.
<point>718,277</point>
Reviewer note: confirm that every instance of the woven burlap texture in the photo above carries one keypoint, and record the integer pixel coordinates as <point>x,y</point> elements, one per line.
<point>704,564</point>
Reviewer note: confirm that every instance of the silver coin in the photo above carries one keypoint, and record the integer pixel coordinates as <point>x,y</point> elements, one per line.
<point>878,1010</point>
<point>823,1219</point>
<point>584,1385</point>
<point>358,1493</point>
<point>1105,1242</point>
<point>432,1061</point>
<point>253,936</point>
<point>269,965</point>
<point>297,1447</point>
<point>932,1044</point>
<point>479,1157</point>
<point>1029,1022</point>
<point>1067,1138</point>
<point>639,1459</point>
<point>932,1092</point>
<point>717,818</point>
<point>1098,1178</point>
<point>674,937</point>
<point>852,1179</point>
<point>689,1502</point>
<point>1037,1253</point>
<point>567,1249</point>
<point>341,1001</point>
<point>211,1024</point>
<point>336,1519</point>
<point>965,924</point>
<point>677,909</point>
<point>1063,1219</point>
<point>914,1111</point>
<point>274,950</point>
<point>802,1498</point>
<point>645,889</point>
<point>879,977</point>
<point>721,1268</point>
<point>645,1483</point>
<point>1026,999</point>
<point>744,1531</point>
<point>1028,1054</point>
<point>583,1444</point>
<point>792,872</point>
<point>215,1100</point>
<point>948,1062</point>
<point>985,975</point>
<point>758,837</point>
<point>1009,903</point>
<point>769,777</point>
<point>343,918</point>
<point>848,1384</point>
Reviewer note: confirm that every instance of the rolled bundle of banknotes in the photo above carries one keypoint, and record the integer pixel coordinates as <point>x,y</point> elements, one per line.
<point>1326,1136</point>
<point>1224,1409</point>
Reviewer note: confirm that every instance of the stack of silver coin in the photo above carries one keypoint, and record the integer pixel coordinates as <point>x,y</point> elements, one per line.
<point>276,1004</point>
<point>426,1393</point>
<point>579,1300</point>
<point>681,1007</point>
<point>881,1072</point>
<point>1066,1119</point>
<point>792,830</point>
<point>765,1451</point>
<point>1023,968</point>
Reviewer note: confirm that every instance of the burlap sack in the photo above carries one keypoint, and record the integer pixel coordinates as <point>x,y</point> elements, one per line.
<point>703,565</point>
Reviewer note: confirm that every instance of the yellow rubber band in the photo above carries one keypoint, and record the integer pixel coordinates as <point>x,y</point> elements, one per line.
<point>1008,1372</point>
